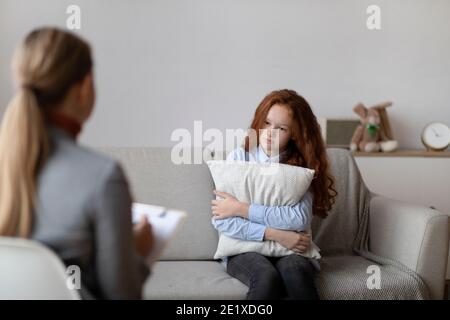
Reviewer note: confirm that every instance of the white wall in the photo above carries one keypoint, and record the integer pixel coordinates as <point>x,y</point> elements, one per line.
<point>422,181</point>
<point>162,64</point>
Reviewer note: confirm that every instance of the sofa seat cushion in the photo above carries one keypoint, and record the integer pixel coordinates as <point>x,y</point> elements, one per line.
<point>346,277</point>
<point>341,278</point>
<point>192,280</point>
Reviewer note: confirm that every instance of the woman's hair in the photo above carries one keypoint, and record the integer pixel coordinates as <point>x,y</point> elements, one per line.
<point>306,147</point>
<point>47,64</point>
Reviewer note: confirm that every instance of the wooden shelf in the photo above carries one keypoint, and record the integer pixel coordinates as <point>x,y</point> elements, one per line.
<point>405,153</point>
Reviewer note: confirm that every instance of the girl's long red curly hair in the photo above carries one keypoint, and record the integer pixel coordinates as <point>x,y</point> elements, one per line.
<point>306,147</point>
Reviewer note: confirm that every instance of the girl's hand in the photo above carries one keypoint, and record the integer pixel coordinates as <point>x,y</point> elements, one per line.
<point>228,207</point>
<point>305,240</point>
<point>298,242</point>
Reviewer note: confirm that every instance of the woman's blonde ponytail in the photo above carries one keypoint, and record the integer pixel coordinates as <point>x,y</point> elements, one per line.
<point>47,64</point>
<point>23,146</point>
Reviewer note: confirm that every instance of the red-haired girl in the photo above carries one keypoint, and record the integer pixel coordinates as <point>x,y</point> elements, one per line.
<point>286,117</point>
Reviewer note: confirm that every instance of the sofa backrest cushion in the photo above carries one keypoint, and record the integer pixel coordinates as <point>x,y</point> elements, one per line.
<point>155,179</point>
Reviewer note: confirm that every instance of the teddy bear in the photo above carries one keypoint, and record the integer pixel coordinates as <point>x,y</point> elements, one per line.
<point>369,136</point>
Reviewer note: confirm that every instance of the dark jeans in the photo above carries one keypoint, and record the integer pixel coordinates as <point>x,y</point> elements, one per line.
<point>269,278</point>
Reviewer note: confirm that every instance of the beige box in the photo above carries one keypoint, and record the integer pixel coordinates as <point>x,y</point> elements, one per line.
<point>338,132</point>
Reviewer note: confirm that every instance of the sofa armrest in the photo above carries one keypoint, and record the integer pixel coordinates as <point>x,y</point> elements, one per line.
<point>414,235</point>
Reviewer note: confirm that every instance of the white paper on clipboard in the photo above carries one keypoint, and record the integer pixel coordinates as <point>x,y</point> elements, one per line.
<point>164,225</point>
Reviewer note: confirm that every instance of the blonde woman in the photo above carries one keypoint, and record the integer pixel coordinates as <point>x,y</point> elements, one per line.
<point>55,191</point>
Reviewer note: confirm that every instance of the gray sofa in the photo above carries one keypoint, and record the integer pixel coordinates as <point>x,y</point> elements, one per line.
<point>417,237</point>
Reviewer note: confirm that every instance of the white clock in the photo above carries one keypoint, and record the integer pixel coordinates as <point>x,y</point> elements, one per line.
<point>436,136</point>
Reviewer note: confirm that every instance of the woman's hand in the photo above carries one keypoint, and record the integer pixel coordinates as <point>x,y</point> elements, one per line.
<point>298,242</point>
<point>228,207</point>
<point>143,237</point>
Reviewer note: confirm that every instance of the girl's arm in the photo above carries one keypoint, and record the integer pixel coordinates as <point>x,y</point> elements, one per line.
<point>237,227</point>
<point>296,217</point>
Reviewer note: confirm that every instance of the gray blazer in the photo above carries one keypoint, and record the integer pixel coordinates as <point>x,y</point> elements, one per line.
<point>84,214</point>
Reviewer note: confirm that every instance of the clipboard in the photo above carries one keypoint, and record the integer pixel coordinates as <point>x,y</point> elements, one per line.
<point>164,223</point>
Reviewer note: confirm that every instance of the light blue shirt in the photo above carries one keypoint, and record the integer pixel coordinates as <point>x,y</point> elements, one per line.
<point>295,217</point>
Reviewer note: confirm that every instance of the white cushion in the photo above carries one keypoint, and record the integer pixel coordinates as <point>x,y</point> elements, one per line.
<point>270,184</point>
